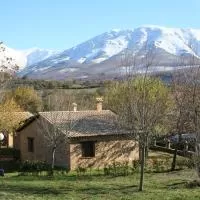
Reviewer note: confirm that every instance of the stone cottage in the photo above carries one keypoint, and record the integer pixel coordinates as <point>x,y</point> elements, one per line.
<point>91,138</point>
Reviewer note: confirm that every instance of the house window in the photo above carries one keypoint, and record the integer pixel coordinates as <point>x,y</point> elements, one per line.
<point>30,144</point>
<point>88,149</point>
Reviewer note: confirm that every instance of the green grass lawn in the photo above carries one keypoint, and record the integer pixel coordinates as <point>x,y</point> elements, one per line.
<point>161,186</point>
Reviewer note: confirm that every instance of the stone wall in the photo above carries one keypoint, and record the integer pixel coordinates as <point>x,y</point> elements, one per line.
<point>42,150</point>
<point>106,152</point>
<point>21,143</point>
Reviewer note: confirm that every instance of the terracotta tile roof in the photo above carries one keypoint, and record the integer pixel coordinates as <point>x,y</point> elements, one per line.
<point>26,122</point>
<point>63,116</point>
<point>23,118</point>
<point>85,123</point>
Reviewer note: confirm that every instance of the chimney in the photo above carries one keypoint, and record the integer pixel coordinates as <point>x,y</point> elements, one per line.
<point>74,107</point>
<point>99,103</point>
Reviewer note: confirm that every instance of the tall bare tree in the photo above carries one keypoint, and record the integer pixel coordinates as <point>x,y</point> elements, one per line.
<point>140,100</point>
<point>186,90</point>
<point>180,120</point>
<point>55,126</point>
<point>141,105</point>
<point>5,63</point>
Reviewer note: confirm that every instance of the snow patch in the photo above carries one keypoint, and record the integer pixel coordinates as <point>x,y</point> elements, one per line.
<point>42,69</point>
<point>65,59</point>
<point>68,70</point>
<point>81,60</point>
<point>99,60</point>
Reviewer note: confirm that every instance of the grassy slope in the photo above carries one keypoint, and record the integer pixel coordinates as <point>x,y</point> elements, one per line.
<point>157,186</point>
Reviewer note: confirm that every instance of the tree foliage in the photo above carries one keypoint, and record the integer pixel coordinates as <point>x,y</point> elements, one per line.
<point>10,115</point>
<point>56,133</point>
<point>26,97</point>
<point>142,105</point>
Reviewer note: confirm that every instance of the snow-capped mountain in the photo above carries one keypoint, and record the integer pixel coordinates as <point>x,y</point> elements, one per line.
<point>12,60</point>
<point>35,55</point>
<point>103,53</point>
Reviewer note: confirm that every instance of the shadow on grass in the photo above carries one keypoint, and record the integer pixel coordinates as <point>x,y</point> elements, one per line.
<point>40,177</point>
<point>180,184</point>
<point>24,189</point>
<point>66,177</point>
<point>166,171</point>
<point>113,188</point>
<point>193,184</point>
<point>58,188</point>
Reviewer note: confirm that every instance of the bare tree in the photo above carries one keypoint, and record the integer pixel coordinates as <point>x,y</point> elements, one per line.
<point>180,121</point>
<point>194,111</point>
<point>55,126</point>
<point>54,131</point>
<point>141,102</point>
<point>84,99</point>
<point>133,63</point>
<point>5,64</point>
<point>186,90</point>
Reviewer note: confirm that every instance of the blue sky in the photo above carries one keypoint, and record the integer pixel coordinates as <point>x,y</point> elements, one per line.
<point>61,24</point>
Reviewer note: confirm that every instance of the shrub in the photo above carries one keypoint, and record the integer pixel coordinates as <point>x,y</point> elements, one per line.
<point>157,164</point>
<point>193,184</point>
<point>185,163</point>
<point>33,167</point>
<point>117,169</point>
<point>80,170</point>
<point>135,165</point>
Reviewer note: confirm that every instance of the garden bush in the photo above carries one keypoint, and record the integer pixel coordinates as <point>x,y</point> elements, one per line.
<point>185,163</point>
<point>81,170</point>
<point>33,167</point>
<point>118,169</point>
<point>157,164</point>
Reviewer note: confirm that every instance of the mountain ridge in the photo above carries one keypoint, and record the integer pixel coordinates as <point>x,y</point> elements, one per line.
<point>102,53</point>
<point>21,58</point>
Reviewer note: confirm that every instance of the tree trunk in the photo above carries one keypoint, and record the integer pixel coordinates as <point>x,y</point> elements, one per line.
<point>174,159</point>
<point>197,157</point>
<point>140,152</point>
<point>173,167</point>
<point>147,150</point>
<point>142,168</point>
<point>53,158</point>
<point>197,145</point>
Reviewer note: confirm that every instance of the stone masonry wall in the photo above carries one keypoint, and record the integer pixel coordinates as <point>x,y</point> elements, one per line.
<point>106,152</point>
<point>42,151</point>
